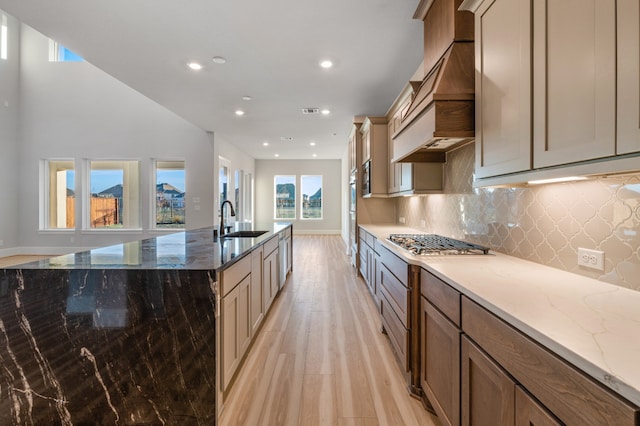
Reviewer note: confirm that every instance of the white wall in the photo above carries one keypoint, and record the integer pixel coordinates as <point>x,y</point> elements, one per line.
<point>74,110</point>
<point>332,189</point>
<point>9,103</point>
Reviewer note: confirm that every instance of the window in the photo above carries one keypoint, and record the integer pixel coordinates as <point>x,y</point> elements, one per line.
<point>59,195</point>
<point>115,194</point>
<point>59,53</point>
<point>238,195</point>
<point>285,197</point>
<point>3,37</point>
<point>170,194</point>
<point>311,187</point>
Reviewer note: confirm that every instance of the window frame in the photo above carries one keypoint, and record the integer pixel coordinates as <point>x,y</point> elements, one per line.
<point>47,192</point>
<point>275,197</point>
<point>4,37</point>
<point>132,213</point>
<point>171,165</point>
<point>302,217</point>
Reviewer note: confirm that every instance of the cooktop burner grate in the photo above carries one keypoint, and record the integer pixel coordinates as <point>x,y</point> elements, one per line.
<point>435,244</point>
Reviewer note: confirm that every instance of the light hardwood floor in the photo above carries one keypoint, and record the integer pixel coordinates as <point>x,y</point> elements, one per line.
<point>320,358</point>
<point>21,258</point>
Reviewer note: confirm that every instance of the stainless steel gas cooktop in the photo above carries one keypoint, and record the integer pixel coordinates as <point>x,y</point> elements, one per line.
<point>431,244</point>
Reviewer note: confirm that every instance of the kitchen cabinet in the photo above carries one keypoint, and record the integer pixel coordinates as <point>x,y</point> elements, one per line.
<point>496,357</point>
<point>440,335</point>
<point>487,390</point>
<point>353,149</point>
<point>395,304</point>
<point>368,261</point>
<point>410,178</point>
<point>257,300</point>
<point>545,91</point>
<point>530,412</point>
<point>270,284</point>
<point>234,317</point>
<point>503,87</point>
<point>628,112</point>
<point>574,81</point>
<point>288,239</point>
<point>375,157</point>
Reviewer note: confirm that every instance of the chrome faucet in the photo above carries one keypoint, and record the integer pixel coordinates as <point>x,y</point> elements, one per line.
<point>233,213</point>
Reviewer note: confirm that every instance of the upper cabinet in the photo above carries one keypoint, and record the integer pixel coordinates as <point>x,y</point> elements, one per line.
<point>375,158</point>
<point>628,71</point>
<point>557,89</point>
<point>503,87</point>
<point>574,81</point>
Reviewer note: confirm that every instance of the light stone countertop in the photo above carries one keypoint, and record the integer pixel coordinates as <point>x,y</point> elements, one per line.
<point>593,325</point>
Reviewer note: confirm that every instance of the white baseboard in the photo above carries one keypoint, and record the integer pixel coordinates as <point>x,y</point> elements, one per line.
<point>41,251</point>
<point>316,231</point>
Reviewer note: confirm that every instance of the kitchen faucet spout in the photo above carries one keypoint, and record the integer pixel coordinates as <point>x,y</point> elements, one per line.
<point>233,213</point>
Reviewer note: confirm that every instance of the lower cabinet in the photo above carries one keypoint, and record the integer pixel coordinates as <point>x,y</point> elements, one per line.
<point>440,366</point>
<point>499,362</point>
<point>487,391</point>
<point>257,301</point>
<point>440,335</point>
<point>270,283</point>
<point>235,328</point>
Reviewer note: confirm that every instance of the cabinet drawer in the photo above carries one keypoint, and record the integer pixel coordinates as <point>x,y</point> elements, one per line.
<point>287,232</point>
<point>370,240</point>
<point>235,273</point>
<point>441,295</point>
<point>568,393</point>
<point>270,246</point>
<point>398,334</point>
<point>396,265</point>
<point>397,294</point>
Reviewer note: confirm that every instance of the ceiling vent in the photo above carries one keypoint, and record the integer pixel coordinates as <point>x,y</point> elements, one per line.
<point>308,111</point>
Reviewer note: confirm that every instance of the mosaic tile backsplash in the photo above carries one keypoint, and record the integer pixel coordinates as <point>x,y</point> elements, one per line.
<point>544,224</point>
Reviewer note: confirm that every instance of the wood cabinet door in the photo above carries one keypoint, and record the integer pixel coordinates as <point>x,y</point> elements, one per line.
<point>574,68</point>
<point>244,320</point>
<point>270,279</point>
<point>530,413</point>
<point>628,34</point>
<point>440,363</point>
<point>488,394</point>
<point>503,87</point>
<point>231,318</point>
<point>257,301</point>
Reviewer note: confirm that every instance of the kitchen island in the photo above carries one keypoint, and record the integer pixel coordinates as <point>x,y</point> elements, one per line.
<point>124,334</point>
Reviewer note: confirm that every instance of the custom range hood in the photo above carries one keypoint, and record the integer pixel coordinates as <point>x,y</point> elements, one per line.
<point>441,113</point>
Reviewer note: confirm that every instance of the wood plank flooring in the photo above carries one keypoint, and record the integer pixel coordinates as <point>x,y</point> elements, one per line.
<point>320,358</point>
<point>21,258</point>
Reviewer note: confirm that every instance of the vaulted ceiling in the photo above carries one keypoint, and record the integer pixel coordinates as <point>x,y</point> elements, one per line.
<point>272,49</point>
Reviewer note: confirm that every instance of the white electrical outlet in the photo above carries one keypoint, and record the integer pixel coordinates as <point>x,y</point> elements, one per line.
<point>401,219</point>
<point>423,223</point>
<point>591,258</point>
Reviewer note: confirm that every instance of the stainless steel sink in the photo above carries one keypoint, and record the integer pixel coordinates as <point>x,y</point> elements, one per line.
<point>244,234</point>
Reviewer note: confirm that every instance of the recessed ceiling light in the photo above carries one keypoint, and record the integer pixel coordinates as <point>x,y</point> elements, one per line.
<point>194,66</point>
<point>325,112</point>
<point>326,63</point>
<point>219,60</point>
<point>276,155</point>
<point>246,98</point>
<point>312,143</point>
<point>239,112</point>
<point>313,155</point>
<point>265,143</point>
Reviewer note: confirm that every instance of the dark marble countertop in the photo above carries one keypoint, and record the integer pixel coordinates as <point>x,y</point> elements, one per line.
<point>190,250</point>
<point>124,334</point>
